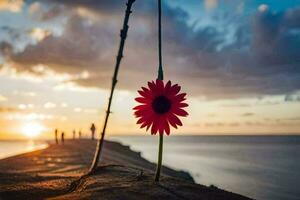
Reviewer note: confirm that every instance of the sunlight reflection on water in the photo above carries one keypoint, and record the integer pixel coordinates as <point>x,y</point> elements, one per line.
<point>11,148</point>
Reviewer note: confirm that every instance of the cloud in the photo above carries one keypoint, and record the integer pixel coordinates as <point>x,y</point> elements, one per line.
<point>263,8</point>
<point>293,119</point>
<point>49,105</point>
<point>25,106</point>
<point>237,105</point>
<point>262,59</point>
<point>24,93</point>
<point>34,8</point>
<point>274,42</point>
<point>39,33</point>
<point>292,98</point>
<point>6,49</point>
<point>8,109</point>
<point>31,116</point>
<point>247,114</point>
<point>46,13</point>
<point>221,124</point>
<point>210,4</point>
<point>255,123</point>
<point>11,5</point>
<point>3,98</point>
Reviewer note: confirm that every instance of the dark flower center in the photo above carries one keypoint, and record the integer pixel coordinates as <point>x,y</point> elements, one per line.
<point>161,104</point>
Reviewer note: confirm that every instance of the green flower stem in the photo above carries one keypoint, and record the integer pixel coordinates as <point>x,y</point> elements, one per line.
<point>160,152</point>
<point>160,67</point>
<point>160,77</point>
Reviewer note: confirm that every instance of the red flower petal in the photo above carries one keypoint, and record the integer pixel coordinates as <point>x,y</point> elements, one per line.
<point>142,100</point>
<point>168,106</point>
<point>144,94</point>
<point>141,120</point>
<point>152,87</point>
<point>144,124</point>
<point>180,97</point>
<point>148,126</point>
<point>166,127</point>
<point>175,119</point>
<point>140,107</point>
<point>172,122</point>
<point>174,90</point>
<point>159,85</point>
<point>182,105</point>
<point>155,126</point>
<point>145,89</point>
<point>168,86</point>
<point>180,112</point>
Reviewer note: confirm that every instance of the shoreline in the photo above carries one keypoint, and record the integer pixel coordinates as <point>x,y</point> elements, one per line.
<point>51,172</point>
<point>182,173</point>
<point>27,146</point>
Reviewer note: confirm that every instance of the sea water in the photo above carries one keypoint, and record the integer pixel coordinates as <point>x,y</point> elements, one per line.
<point>10,148</point>
<point>261,167</point>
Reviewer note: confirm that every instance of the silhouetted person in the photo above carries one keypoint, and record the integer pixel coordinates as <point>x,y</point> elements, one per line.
<point>74,133</point>
<point>56,138</point>
<point>79,134</point>
<point>93,129</point>
<point>63,137</point>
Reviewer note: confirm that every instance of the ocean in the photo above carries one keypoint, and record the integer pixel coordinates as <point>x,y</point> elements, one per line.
<point>10,148</point>
<point>261,167</point>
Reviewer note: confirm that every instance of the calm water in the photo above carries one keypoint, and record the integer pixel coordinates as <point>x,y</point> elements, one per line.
<point>11,148</point>
<point>261,167</point>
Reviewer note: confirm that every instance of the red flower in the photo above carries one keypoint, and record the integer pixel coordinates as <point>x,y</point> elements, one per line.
<point>160,105</point>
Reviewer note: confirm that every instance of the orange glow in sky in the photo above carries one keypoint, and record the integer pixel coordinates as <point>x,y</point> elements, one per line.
<point>32,129</point>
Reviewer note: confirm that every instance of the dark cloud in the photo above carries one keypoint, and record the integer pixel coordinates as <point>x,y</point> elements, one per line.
<point>255,123</point>
<point>237,105</point>
<point>6,49</point>
<point>264,58</point>
<point>247,114</point>
<point>49,13</point>
<point>292,98</point>
<point>275,42</point>
<point>82,47</point>
<point>102,5</point>
<point>221,124</point>
<point>293,119</point>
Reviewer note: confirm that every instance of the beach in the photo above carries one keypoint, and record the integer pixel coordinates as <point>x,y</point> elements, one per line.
<point>56,172</point>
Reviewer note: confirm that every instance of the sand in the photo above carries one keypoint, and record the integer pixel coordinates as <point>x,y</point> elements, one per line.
<point>57,173</point>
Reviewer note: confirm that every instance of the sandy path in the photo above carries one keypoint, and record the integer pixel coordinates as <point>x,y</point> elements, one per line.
<point>123,174</point>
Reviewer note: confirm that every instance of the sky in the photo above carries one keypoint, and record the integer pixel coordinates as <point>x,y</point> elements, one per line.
<point>238,61</point>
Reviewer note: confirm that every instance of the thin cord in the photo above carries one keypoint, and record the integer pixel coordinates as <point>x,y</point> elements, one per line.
<point>160,68</point>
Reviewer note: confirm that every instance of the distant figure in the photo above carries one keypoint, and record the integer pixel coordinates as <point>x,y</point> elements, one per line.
<point>93,129</point>
<point>63,137</point>
<point>74,134</point>
<point>79,134</point>
<point>56,138</point>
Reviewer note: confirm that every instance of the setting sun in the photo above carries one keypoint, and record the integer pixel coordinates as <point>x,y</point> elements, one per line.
<point>32,129</point>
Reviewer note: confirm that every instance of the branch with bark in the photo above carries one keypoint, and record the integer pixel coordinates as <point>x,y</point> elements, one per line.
<point>123,35</point>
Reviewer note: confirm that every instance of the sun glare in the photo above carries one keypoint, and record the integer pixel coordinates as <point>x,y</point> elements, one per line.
<point>32,129</point>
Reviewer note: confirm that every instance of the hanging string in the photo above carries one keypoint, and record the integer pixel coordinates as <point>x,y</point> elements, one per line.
<point>160,67</point>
